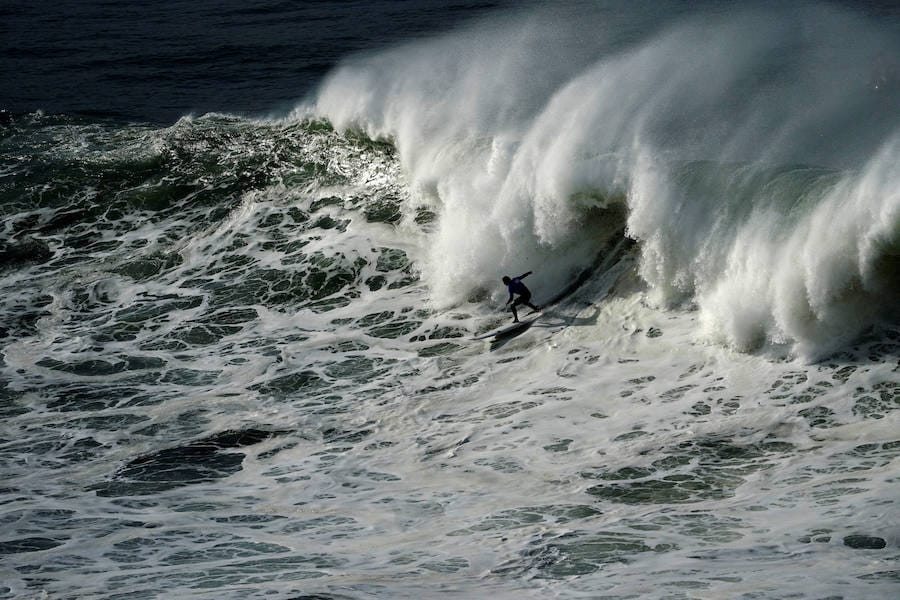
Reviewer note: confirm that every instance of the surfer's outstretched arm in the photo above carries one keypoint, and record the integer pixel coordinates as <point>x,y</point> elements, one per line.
<point>524,275</point>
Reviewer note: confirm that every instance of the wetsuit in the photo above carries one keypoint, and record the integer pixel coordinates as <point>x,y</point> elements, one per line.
<point>516,287</point>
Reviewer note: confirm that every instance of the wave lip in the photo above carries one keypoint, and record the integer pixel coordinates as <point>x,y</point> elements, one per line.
<point>737,142</point>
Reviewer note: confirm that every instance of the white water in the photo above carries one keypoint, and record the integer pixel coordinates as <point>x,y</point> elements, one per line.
<point>519,129</point>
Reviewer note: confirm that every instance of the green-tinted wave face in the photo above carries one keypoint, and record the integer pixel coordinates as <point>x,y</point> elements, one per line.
<point>150,251</point>
<point>261,203</point>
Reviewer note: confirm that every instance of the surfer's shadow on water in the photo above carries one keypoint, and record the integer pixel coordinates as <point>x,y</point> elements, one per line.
<point>546,320</point>
<point>501,340</point>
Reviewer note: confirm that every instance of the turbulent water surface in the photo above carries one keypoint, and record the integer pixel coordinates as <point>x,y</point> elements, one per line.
<point>237,354</point>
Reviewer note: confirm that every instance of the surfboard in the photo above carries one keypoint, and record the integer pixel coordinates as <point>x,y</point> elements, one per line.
<point>509,329</point>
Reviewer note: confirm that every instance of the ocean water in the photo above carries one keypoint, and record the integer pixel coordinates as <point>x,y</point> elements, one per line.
<point>245,251</point>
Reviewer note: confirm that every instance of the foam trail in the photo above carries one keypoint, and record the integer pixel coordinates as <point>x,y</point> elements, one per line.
<point>526,134</point>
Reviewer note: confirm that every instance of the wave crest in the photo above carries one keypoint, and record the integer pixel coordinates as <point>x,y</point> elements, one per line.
<point>525,134</point>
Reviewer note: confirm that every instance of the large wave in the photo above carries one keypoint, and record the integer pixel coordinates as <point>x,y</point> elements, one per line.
<point>752,154</point>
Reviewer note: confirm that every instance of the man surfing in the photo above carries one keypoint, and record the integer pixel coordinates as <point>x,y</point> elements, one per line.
<point>516,287</point>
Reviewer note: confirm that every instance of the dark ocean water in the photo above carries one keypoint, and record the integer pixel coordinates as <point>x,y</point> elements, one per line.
<point>157,61</point>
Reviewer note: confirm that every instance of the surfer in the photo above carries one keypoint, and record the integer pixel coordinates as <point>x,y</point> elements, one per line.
<point>516,287</point>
